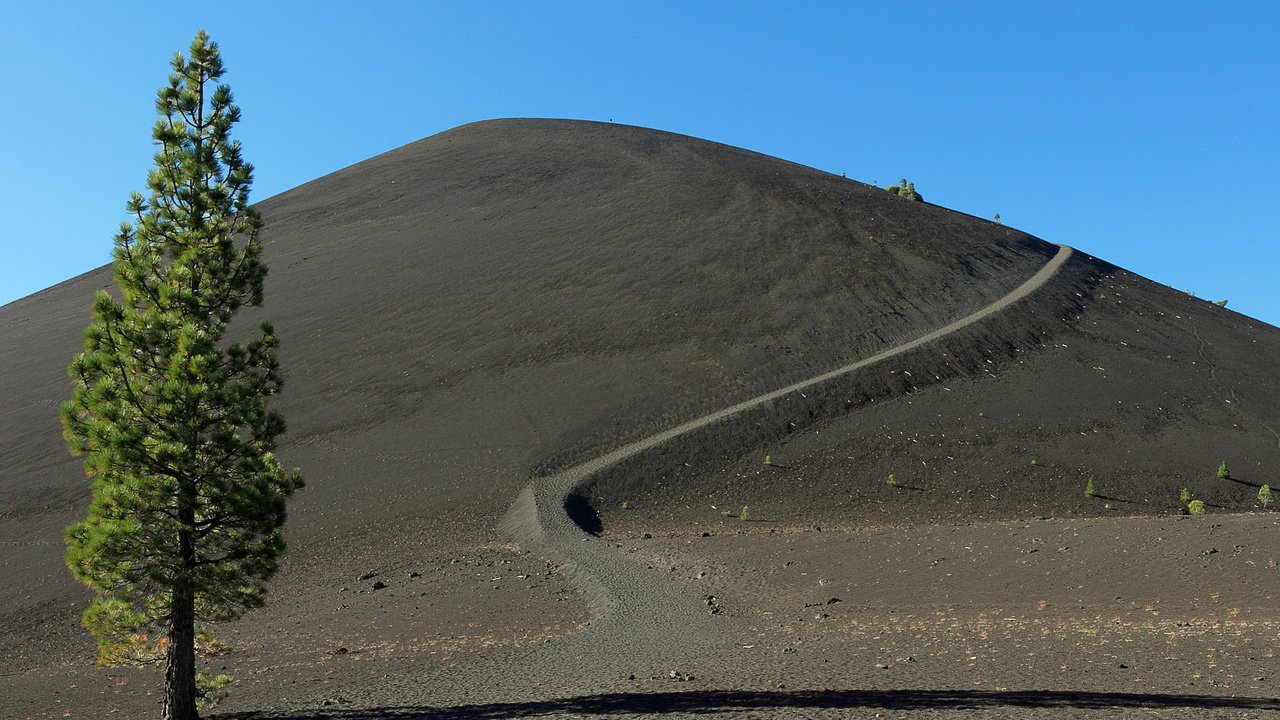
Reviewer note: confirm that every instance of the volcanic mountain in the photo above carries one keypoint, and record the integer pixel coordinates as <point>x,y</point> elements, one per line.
<point>492,306</point>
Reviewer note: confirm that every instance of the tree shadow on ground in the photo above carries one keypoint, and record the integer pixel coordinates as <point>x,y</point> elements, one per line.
<point>708,702</point>
<point>1243,482</point>
<point>1109,498</point>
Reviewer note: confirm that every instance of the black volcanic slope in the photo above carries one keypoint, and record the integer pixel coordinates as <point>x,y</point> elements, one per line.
<point>507,297</point>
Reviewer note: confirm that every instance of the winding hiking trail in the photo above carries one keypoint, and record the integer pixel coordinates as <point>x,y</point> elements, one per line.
<point>643,623</point>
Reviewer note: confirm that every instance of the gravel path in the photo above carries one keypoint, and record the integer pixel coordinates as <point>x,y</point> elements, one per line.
<point>645,625</point>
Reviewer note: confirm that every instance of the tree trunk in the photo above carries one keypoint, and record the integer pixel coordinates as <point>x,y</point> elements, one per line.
<point>180,659</point>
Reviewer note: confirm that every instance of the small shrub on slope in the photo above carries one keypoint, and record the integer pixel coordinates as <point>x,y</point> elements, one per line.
<point>906,190</point>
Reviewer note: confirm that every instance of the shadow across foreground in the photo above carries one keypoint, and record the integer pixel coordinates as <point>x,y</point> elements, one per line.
<point>708,702</point>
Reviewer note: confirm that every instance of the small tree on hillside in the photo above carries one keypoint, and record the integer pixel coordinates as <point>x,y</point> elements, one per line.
<point>188,497</point>
<point>905,189</point>
<point>1265,496</point>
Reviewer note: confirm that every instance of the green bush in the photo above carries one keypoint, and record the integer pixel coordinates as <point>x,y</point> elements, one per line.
<point>1223,472</point>
<point>1264,496</point>
<point>1184,495</point>
<point>1196,507</point>
<point>906,190</point>
<point>744,514</point>
<point>891,481</point>
<point>1090,490</point>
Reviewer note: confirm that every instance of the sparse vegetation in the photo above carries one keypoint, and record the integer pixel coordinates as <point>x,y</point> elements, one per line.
<point>1033,461</point>
<point>1184,495</point>
<point>892,481</point>
<point>1264,496</point>
<point>625,504</point>
<point>1195,507</point>
<point>767,460</point>
<point>210,689</point>
<point>1223,472</point>
<point>1090,490</point>
<point>744,514</point>
<point>906,190</point>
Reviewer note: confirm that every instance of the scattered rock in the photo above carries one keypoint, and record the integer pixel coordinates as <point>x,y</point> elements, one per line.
<point>782,686</point>
<point>680,676</point>
<point>379,585</point>
<point>415,574</point>
<point>647,536</point>
<point>706,534</point>
<point>341,651</point>
<point>368,576</point>
<point>833,601</point>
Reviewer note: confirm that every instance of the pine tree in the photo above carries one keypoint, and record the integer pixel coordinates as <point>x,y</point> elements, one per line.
<point>908,190</point>
<point>188,496</point>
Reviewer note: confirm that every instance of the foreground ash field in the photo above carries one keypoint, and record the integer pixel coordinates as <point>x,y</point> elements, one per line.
<point>534,370</point>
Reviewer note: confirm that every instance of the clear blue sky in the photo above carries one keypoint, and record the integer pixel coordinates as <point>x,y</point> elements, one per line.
<point>1146,133</point>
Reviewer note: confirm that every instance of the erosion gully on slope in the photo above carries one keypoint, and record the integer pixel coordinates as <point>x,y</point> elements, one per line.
<point>643,623</point>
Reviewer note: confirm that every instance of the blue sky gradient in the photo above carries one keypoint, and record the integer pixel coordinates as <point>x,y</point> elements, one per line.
<point>1145,133</point>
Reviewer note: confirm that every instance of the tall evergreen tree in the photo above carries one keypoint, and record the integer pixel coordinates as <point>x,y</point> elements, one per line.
<point>188,496</point>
